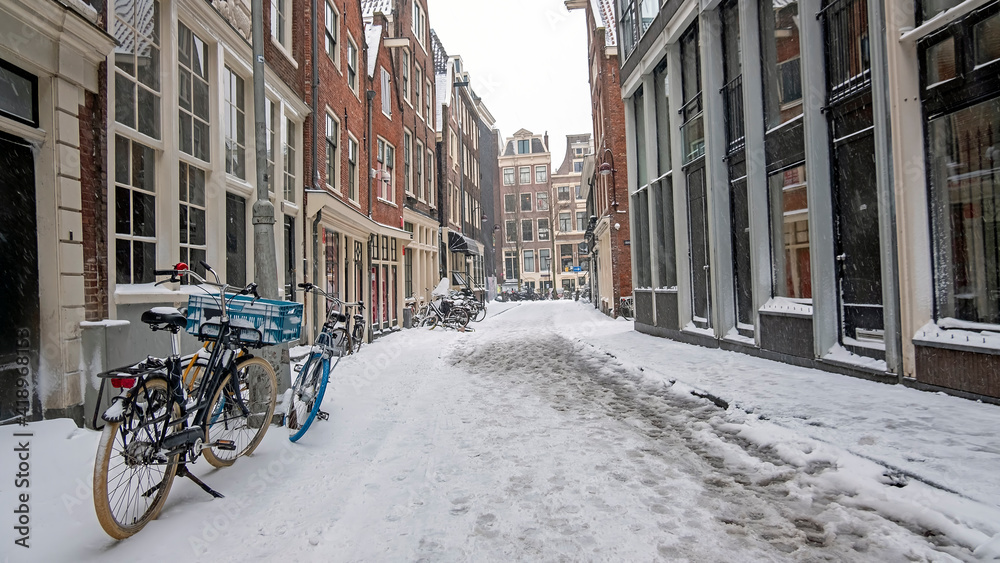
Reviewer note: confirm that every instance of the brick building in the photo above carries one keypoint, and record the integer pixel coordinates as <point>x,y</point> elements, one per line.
<point>525,210</point>
<point>569,216</point>
<point>605,180</point>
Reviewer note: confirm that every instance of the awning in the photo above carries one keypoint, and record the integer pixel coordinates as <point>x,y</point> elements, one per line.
<point>458,242</point>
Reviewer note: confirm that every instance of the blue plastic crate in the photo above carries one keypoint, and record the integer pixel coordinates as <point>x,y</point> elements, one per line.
<point>277,321</point>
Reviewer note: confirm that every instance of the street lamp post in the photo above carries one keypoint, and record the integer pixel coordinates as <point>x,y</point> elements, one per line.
<point>607,168</point>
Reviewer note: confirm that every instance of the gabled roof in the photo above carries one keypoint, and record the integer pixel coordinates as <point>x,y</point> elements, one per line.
<point>372,7</point>
<point>567,164</point>
<point>373,38</point>
<point>604,14</point>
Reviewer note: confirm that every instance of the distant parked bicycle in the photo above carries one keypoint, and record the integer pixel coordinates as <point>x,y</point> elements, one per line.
<point>626,307</point>
<point>333,339</point>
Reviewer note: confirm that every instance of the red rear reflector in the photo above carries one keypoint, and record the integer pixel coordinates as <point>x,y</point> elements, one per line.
<point>123,382</point>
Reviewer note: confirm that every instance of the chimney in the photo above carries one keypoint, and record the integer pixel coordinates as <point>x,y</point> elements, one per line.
<point>546,141</point>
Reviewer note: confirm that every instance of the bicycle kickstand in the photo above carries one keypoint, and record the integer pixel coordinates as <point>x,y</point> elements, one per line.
<point>323,415</point>
<point>183,472</point>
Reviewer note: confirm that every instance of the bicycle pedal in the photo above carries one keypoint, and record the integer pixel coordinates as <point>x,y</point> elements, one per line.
<point>226,445</point>
<point>323,415</point>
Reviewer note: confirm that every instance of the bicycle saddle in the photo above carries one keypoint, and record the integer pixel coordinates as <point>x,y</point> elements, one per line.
<point>167,316</point>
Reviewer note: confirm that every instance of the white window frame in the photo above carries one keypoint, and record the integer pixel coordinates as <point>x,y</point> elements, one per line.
<point>522,173</point>
<point>544,170</point>
<point>409,170</point>
<point>331,117</point>
<point>386,94</point>
<point>353,177</point>
<point>352,65</point>
<point>511,170</point>
<point>281,34</point>
<point>405,67</point>
<point>419,24</point>
<point>331,9</point>
<point>429,175</point>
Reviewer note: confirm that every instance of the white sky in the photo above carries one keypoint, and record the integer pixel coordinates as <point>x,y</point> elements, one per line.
<point>526,58</point>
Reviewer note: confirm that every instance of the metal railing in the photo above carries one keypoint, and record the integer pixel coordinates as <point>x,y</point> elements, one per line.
<point>846,45</point>
<point>732,97</point>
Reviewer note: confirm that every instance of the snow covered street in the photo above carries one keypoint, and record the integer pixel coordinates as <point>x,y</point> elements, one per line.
<point>553,433</point>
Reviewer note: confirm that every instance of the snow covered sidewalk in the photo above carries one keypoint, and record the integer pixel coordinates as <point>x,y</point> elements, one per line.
<point>554,433</point>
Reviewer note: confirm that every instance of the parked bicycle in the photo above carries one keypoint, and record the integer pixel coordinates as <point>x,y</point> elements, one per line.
<point>157,425</point>
<point>626,307</point>
<point>334,339</point>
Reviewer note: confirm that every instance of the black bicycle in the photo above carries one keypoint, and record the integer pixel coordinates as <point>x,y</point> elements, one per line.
<point>155,428</point>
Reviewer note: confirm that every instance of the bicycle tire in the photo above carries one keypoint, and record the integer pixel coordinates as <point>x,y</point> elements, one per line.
<point>258,389</point>
<point>429,322</point>
<point>358,337</point>
<point>480,313</point>
<point>310,385</point>
<point>133,482</point>
<point>459,317</point>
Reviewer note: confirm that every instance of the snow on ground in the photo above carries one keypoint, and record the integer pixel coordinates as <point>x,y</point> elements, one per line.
<point>554,433</point>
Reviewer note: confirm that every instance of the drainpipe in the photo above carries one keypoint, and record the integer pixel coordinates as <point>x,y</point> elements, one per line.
<point>315,93</point>
<point>369,95</point>
<point>315,267</point>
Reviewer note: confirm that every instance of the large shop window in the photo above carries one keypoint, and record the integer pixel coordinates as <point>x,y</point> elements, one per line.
<point>782,77</point>
<point>789,207</point>
<point>289,236</point>
<point>192,94</point>
<point>640,244</point>
<point>693,127</point>
<point>963,164</point>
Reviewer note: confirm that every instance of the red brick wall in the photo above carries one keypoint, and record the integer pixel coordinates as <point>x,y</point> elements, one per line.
<point>391,129</point>
<point>94,199</point>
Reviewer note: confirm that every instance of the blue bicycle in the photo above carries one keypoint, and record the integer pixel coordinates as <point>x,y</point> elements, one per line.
<point>334,339</point>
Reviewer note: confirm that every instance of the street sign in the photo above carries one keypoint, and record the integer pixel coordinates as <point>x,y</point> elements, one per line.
<point>577,269</point>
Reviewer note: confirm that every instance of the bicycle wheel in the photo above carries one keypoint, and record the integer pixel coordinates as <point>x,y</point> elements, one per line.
<point>430,321</point>
<point>358,337</point>
<point>480,312</point>
<point>131,479</point>
<point>307,396</point>
<point>459,317</point>
<point>258,393</point>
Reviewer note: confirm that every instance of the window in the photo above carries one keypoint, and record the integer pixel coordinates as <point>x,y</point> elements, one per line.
<point>578,166</point>
<point>279,21</point>
<point>581,221</point>
<point>192,97</point>
<point>661,94</point>
<point>191,213</point>
<point>562,193</point>
<point>407,168</point>
<point>527,232</point>
<point>509,203</point>
<point>270,137</point>
<point>543,229</point>
<point>137,66</point>
<point>235,124</point>
<point>510,270</point>
<point>386,94</point>
<point>525,202</point>
<point>529,260</point>
<point>566,257</point>
<point>577,190</point>
<point>236,240</point>
<point>289,151</point>
<point>508,176</point>
<point>386,162</point>
<point>790,233</point>
<point>524,146</point>
<point>962,166</point>
<point>135,212</point>
<point>525,173</point>
<point>289,236</point>
<point>782,79</point>
<point>626,25</point>
<point>693,129</point>
<point>544,260</point>
<point>510,228</point>
<point>565,222</point>
<point>332,152</point>
<point>541,174</point>
<point>352,65</point>
<point>419,23</point>
<point>332,33</point>
<point>429,175</point>
<point>352,169</point>
<point>405,75</point>
<point>542,201</point>
<point>429,100</point>
<point>418,79</point>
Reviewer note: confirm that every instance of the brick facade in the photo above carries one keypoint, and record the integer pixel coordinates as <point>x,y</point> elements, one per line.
<point>94,199</point>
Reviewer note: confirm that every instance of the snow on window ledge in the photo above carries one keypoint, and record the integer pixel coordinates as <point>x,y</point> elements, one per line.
<point>671,289</point>
<point>734,336</point>
<point>788,306</point>
<point>953,333</point>
<point>840,355</point>
<point>691,327</point>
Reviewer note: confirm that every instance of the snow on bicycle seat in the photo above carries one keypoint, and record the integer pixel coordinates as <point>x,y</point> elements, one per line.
<point>164,316</point>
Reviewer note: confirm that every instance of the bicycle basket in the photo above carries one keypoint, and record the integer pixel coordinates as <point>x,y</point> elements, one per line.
<point>277,321</point>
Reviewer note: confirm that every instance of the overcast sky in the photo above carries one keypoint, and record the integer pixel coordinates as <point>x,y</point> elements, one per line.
<point>527,59</point>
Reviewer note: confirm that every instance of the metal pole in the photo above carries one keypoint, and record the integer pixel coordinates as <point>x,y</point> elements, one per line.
<point>265,260</point>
